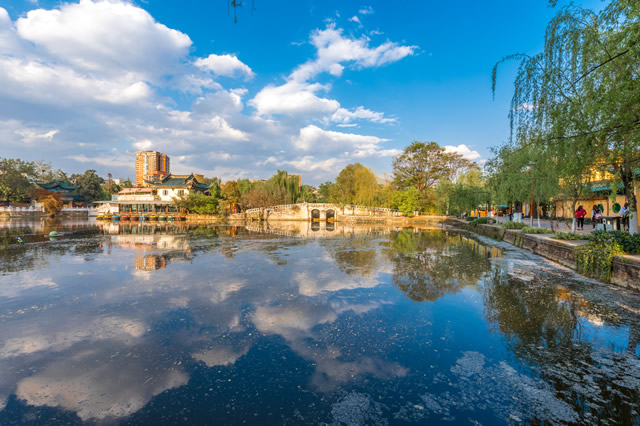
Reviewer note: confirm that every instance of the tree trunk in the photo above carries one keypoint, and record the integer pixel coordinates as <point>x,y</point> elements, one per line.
<point>530,216</point>
<point>633,210</point>
<point>627,175</point>
<point>573,210</point>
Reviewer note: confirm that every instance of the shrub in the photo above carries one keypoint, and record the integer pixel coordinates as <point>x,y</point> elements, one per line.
<point>532,230</point>
<point>595,259</point>
<point>512,225</point>
<point>481,221</point>
<point>630,244</point>
<point>570,236</point>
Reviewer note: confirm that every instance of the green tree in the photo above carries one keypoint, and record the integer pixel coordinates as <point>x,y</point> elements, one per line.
<point>506,177</point>
<point>44,172</point>
<point>308,194</point>
<point>291,185</point>
<point>581,95</point>
<point>356,184</point>
<point>231,194</point>
<point>264,194</point>
<point>197,202</point>
<point>89,185</point>
<point>16,180</point>
<point>110,187</point>
<point>421,165</point>
<point>244,186</point>
<point>407,201</point>
<point>323,191</point>
<point>215,187</point>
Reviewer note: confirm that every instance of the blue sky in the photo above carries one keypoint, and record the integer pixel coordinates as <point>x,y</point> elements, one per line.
<point>303,86</point>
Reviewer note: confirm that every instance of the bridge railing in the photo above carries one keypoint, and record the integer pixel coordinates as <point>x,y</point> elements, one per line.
<point>323,205</point>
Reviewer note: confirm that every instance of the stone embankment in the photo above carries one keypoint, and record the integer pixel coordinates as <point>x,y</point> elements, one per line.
<point>625,272</point>
<point>8,213</point>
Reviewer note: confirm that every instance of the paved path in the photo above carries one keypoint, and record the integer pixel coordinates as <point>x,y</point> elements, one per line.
<point>545,223</point>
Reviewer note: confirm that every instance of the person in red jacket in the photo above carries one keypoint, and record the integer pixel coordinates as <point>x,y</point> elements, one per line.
<point>580,214</point>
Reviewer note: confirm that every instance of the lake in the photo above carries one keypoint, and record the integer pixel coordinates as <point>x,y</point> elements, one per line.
<point>304,323</point>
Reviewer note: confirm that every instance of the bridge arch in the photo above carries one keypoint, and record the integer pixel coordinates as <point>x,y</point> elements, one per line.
<point>330,215</point>
<point>315,215</point>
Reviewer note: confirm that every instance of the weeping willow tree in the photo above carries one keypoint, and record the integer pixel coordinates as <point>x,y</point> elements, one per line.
<point>579,100</point>
<point>290,183</point>
<point>355,184</point>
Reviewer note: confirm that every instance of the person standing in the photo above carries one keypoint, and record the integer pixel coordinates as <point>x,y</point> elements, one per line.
<point>595,215</point>
<point>580,214</point>
<point>624,214</point>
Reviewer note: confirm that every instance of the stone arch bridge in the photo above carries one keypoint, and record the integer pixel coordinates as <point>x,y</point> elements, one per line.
<point>314,212</point>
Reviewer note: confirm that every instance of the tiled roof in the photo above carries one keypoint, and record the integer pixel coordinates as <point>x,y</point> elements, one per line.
<point>178,180</point>
<point>56,184</point>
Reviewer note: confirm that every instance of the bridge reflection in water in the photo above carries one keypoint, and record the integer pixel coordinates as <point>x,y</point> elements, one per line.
<point>320,229</point>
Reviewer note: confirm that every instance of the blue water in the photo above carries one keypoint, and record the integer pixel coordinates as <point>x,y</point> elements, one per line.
<point>285,324</point>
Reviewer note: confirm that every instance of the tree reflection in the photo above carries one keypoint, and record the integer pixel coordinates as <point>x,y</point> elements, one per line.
<point>431,263</point>
<point>547,328</point>
<point>530,315</point>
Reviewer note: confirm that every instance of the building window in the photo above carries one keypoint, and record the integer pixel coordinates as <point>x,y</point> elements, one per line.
<point>165,192</point>
<point>181,192</point>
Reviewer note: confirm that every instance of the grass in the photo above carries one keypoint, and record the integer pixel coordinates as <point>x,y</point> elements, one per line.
<point>532,230</point>
<point>570,236</point>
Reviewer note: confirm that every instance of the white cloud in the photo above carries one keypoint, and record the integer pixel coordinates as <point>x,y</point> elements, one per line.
<point>333,49</point>
<point>25,79</point>
<point>463,150</point>
<point>299,96</point>
<point>105,37</point>
<point>106,79</point>
<point>31,135</point>
<point>106,390</point>
<point>227,65</point>
<point>372,150</point>
<point>355,19</point>
<point>220,355</point>
<point>143,145</point>
<point>313,137</point>
<point>368,10</point>
<point>294,98</point>
<point>345,116</point>
<point>220,128</point>
<point>309,163</point>
<point>105,161</point>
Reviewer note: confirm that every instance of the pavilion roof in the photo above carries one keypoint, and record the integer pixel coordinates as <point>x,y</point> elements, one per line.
<point>178,180</point>
<point>57,185</point>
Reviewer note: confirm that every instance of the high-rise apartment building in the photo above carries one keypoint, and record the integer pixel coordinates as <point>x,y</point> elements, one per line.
<point>150,165</point>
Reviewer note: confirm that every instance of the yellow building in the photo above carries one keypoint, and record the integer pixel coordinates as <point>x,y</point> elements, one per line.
<point>150,165</point>
<point>600,195</point>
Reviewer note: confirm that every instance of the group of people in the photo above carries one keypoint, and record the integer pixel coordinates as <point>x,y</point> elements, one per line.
<point>596,216</point>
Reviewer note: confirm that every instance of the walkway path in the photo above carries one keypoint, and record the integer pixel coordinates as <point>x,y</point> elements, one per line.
<point>545,223</point>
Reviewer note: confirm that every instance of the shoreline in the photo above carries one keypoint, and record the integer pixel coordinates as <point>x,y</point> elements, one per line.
<point>625,269</point>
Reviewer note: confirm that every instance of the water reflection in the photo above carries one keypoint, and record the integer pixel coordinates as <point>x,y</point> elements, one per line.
<point>546,326</point>
<point>181,323</point>
<point>429,263</point>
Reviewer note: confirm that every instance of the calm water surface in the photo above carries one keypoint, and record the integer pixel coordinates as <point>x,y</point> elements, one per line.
<point>304,324</point>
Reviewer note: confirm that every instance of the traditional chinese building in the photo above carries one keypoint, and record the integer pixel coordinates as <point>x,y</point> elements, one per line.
<point>66,192</point>
<point>156,198</point>
<point>175,186</point>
